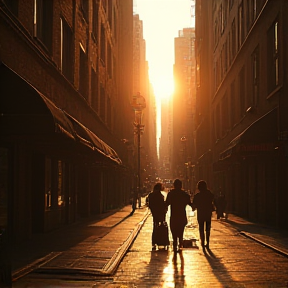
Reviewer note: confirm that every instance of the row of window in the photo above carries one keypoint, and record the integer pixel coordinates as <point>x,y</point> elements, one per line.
<point>245,93</point>
<point>248,10</point>
<point>43,33</point>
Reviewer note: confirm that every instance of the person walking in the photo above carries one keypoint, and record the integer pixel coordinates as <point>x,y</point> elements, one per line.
<point>158,209</point>
<point>134,200</point>
<point>203,202</point>
<point>220,204</point>
<point>178,199</point>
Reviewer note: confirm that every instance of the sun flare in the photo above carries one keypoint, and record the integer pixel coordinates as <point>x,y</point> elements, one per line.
<point>163,88</point>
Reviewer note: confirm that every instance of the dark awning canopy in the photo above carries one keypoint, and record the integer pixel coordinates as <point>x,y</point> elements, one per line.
<point>261,136</point>
<point>91,140</point>
<point>26,111</point>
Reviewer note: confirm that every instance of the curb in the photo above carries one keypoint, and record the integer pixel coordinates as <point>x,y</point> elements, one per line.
<point>112,265</point>
<point>256,239</point>
<point>276,249</point>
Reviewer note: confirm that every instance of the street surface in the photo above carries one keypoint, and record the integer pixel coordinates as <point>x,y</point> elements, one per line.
<point>232,261</point>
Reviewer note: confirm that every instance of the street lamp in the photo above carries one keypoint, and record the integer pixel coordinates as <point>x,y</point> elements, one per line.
<point>138,104</point>
<point>183,139</point>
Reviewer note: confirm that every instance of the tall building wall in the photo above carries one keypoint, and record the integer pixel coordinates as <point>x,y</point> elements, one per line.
<point>166,141</point>
<point>141,84</point>
<point>61,68</point>
<point>240,58</point>
<point>184,106</point>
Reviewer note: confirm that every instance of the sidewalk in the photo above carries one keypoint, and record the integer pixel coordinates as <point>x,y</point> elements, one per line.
<point>271,237</point>
<point>93,247</point>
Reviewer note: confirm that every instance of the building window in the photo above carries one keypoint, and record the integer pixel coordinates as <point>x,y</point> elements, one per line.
<point>43,22</point>
<point>240,24</point>
<point>231,3</point>
<point>60,183</point>
<point>224,115</point>
<point>109,61</point>
<point>109,113</point>
<point>83,73</point>
<point>115,25</point>
<point>233,40</point>
<point>84,5</point>
<point>94,90</point>
<point>251,13</point>
<point>103,45</point>
<point>273,57</point>
<point>66,65</point>
<point>95,26</point>
<point>218,122</point>
<point>48,181</point>
<point>102,105</point>
<point>110,12</point>
<point>225,57</point>
<point>254,13</point>
<point>104,5</point>
<point>255,71</point>
<point>114,67</point>
<point>215,32</point>
<point>242,95</point>
<point>233,110</point>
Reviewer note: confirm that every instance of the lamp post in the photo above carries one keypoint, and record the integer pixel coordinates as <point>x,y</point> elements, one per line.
<point>184,141</point>
<point>138,104</point>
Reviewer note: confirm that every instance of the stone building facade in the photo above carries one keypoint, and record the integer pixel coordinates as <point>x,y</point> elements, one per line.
<point>241,106</point>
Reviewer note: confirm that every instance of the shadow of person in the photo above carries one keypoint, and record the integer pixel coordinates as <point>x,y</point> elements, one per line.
<point>210,252</point>
<point>218,268</point>
<point>179,276</point>
<point>159,259</point>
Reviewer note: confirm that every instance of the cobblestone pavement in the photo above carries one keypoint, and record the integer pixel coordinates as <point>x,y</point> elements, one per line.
<point>241,254</point>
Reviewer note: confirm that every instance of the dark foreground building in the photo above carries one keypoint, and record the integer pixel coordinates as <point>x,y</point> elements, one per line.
<point>66,81</point>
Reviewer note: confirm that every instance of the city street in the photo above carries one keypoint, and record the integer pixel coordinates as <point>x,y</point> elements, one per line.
<point>103,102</point>
<point>234,260</point>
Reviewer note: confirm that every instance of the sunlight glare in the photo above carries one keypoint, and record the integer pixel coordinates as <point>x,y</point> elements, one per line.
<point>163,87</point>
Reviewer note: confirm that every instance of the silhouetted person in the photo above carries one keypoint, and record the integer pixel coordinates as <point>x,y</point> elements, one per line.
<point>134,200</point>
<point>220,204</point>
<point>178,199</point>
<point>158,209</point>
<point>203,202</point>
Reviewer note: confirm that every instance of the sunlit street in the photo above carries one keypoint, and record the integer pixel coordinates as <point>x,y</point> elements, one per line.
<point>144,143</point>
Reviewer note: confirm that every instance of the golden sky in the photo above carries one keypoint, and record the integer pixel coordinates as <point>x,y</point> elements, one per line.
<point>162,19</point>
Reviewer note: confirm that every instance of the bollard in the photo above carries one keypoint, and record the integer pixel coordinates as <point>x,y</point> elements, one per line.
<point>5,263</point>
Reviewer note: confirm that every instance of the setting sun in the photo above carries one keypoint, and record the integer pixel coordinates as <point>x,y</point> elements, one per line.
<point>163,87</point>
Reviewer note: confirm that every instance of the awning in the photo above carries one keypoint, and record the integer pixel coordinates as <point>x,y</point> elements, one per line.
<point>26,111</point>
<point>261,136</point>
<point>91,140</point>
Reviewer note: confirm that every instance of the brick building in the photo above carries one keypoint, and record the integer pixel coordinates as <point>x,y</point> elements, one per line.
<point>66,84</point>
